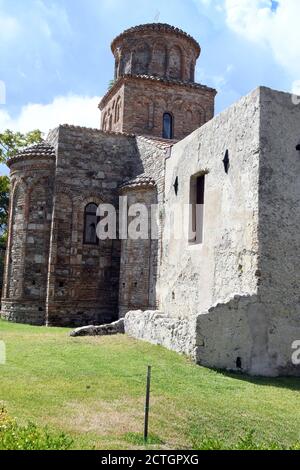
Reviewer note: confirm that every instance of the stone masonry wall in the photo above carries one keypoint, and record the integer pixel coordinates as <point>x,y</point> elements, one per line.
<point>141,259</point>
<point>279,221</point>
<point>208,291</point>
<point>196,276</point>
<point>138,271</point>
<point>83,280</point>
<point>158,328</point>
<point>25,277</point>
<point>238,290</point>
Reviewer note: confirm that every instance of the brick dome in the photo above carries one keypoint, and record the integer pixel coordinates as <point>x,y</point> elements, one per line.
<point>154,92</point>
<point>156,49</point>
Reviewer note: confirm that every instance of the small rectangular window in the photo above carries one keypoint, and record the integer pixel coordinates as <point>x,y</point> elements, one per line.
<point>197,193</point>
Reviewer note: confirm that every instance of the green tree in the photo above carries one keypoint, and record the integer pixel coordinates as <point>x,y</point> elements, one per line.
<point>111,84</point>
<point>12,142</point>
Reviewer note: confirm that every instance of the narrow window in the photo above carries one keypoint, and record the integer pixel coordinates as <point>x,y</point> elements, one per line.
<point>226,162</point>
<point>176,186</point>
<point>168,126</point>
<point>197,188</point>
<point>90,225</point>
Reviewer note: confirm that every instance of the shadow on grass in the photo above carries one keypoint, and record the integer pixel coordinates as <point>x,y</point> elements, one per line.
<point>290,383</point>
<point>138,440</point>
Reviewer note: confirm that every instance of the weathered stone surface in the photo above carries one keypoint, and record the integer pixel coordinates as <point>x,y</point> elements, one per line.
<point>158,328</point>
<point>27,254</point>
<point>115,328</point>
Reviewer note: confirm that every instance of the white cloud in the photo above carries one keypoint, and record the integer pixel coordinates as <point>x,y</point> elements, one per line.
<point>278,30</point>
<point>9,27</point>
<point>35,32</point>
<point>72,109</point>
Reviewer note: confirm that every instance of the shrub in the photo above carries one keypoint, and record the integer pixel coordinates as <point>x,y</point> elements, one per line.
<point>248,442</point>
<point>29,437</point>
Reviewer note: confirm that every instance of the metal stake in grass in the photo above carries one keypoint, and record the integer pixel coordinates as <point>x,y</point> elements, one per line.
<point>147,405</point>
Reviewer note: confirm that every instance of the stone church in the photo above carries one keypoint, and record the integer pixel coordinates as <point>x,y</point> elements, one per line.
<point>230,297</point>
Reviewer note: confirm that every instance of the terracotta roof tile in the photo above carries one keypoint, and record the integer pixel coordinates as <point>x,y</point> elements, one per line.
<point>160,27</point>
<point>141,181</point>
<point>36,151</point>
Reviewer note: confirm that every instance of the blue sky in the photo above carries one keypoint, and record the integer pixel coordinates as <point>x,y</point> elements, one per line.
<point>56,63</point>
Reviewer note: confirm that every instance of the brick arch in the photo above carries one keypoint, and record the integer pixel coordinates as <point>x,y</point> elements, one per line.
<point>118,110</point>
<point>200,114</point>
<point>189,118</point>
<point>175,62</point>
<point>117,63</point>
<point>141,58</point>
<point>17,182</point>
<point>162,103</point>
<point>82,200</point>
<point>110,120</point>
<point>178,103</point>
<point>159,59</point>
<point>125,61</point>
<point>149,109</point>
<point>192,71</point>
<point>80,204</point>
<point>104,121</point>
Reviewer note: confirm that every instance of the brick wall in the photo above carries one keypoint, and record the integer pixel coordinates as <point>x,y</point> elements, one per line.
<point>154,74</point>
<point>143,102</point>
<point>156,49</point>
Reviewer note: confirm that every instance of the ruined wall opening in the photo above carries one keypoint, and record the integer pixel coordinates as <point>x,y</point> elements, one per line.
<point>239,363</point>
<point>197,197</point>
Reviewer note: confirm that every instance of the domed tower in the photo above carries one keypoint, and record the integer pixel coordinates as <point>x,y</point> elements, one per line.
<point>154,91</point>
<point>31,199</point>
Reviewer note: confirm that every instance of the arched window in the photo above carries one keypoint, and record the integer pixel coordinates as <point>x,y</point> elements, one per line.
<point>168,126</point>
<point>90,225</point>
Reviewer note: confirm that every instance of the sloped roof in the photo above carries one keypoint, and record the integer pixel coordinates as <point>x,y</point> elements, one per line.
<point>140,181</point>
<point>163,144</point>
<point>36,151</point>
<point>159,27</point>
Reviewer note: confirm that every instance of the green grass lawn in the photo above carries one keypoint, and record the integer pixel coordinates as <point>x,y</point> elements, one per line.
<point>93,390</point>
